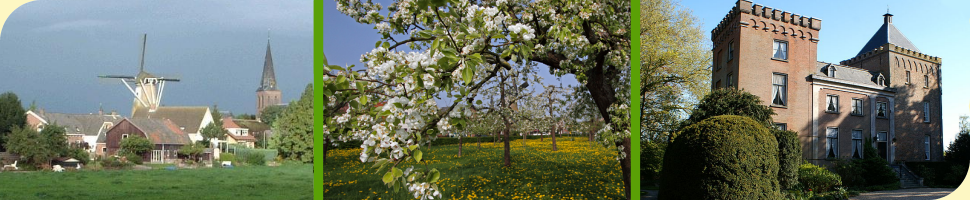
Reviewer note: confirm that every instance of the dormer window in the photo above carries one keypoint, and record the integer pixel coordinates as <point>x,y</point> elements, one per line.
<point>832,70</point>
<point>881,80</point>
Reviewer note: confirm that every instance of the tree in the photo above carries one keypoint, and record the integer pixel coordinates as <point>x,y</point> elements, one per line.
<point>54,138</point>
<point>192,151</point>
<point>27,143</point>
<point>270,113</point>
<point>294,129</point>
<point>136,145</point>
<point>959,150</point>
<point>454,49</point>
<point>731,102</point>
<point>11,115</point>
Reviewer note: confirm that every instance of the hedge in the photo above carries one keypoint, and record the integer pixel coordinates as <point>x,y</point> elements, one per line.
<point>722,157</point>
<point>789,157</point>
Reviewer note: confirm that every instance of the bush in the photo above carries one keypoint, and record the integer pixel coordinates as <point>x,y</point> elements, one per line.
<point>80,154</point>
<point>731,102</point>
<point>136,145</point>
<point>817,179</point>
<point>227,157</point>
<point>939,174</point>
<point>870,171</point>
<point>789,157</point>
<point>133,158</point>
<point>253,158</point>
<point>723,157</point>
<point>112,162</point>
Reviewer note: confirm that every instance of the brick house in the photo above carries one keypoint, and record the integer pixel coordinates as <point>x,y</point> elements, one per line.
<point>166,136</point>
<point>889,92</point>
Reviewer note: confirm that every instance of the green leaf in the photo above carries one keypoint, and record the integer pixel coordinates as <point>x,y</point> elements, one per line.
<point>397,172</point>
<point>388,177</point>
<point>479,102</point>
<point>418,155</point>
<point>378,44</point>
<point>412,147</point>
<point>467,74</point>
<point>434,175</point>
<point>387,45</point>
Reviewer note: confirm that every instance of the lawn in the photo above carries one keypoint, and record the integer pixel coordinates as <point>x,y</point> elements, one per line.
<point>578,170</point>
<point>292,181</point>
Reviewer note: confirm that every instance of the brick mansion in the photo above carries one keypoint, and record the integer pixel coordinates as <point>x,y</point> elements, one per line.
<point>889,92</point>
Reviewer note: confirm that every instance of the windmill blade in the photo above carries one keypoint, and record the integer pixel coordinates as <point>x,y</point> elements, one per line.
<point>116,77</point>
<point>144,40</point>
<point>169,77</point>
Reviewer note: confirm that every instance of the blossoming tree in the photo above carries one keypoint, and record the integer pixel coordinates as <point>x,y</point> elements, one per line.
<point>436,49</point>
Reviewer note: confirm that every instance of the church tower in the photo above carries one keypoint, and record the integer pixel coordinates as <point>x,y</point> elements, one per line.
<point>267,94</point>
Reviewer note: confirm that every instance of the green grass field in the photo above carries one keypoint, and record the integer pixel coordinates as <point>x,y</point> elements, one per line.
<point>293,181</point>
<point>577,171</point>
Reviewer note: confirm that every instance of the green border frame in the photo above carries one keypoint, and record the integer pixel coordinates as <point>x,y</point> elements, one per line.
<point>318,62</point>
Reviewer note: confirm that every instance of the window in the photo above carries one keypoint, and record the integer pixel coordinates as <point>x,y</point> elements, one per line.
<point>730,55</point>
<point>832,103</point>
<point>721,61</point>
<point>926,112</point>
<point>124,136</point>
<point>730,80</point>
<point>856,143</point>
<point>907,78</point>
<point>717,84</point>
<point>882,110</point>
<point>831,71</point>
<point>780,50</point>
<point>832,139</point>
<point>781,126</point>
<point>881,80</point>
<point>926,146</point>
<point>926,81</point>
<point>104,149</point>
<point>779,89</point>
<point>857,108</point>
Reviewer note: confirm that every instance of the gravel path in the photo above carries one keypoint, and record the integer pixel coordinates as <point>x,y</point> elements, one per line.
<point>914,194</point>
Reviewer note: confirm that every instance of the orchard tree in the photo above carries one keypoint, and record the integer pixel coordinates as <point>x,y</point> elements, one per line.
<point>432,49</point>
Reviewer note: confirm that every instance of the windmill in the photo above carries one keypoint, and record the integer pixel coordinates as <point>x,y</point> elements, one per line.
<point>147,88</point>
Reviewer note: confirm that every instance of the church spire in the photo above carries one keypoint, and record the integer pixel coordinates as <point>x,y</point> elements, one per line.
<point>269,75</point>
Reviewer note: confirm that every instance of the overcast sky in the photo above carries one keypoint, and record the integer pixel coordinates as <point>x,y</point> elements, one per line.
<point>52,51</point>
<point>936,27</point>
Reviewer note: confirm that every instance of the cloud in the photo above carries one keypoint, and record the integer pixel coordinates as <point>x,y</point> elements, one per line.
<point>72,25</point>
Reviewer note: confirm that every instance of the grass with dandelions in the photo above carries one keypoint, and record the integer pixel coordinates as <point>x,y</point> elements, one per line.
<point>578,170</point>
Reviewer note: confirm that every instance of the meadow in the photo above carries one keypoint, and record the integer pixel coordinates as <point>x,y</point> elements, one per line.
<point>578,170</point>
<point>289,181</point>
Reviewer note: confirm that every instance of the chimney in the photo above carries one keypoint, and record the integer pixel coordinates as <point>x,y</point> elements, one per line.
<point>887,18</point>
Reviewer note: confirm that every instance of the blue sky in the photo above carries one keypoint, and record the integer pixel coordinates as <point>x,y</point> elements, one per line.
<point>344,40</point>
<point>51,52</point>
<point>937,27</point>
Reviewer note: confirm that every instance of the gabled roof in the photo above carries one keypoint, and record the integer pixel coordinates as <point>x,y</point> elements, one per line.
<point>86,124</point>
<point>161,131</point>
<point>188,117</point>
<point>252,125</point>
<point>228,123</point>
<point>887,33</point>
<point>847,74</point>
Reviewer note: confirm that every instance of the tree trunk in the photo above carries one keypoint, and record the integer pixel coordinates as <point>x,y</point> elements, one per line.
<point>603,95</point>
<point>479,143</point>
<point>459,147</point>
<point>625,165</point>
<point>326,144</point>
<point>508,153</point>
<point>554,138</point>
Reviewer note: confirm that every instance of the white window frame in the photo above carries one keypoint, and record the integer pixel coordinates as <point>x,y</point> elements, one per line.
<point>779,89</point>
<point>926,112</point>
<point>730,79</point>
<point>926,81</point>
<point>832,142</point>
<point>884,106</point>
<point>781,126</point>
<point>779,50</point>
<point>908,78</point>
<point>124,136</point>
<point>926,146</point>
<point>857,144</point>
<point>858,107</point>
<point>832,101</point>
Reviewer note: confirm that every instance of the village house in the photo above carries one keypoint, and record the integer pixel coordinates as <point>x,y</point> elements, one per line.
<point>236,134</point>
<point>189,119</point>
<point>82,130</point>
<point>889,92</point>
<point>165,135</point>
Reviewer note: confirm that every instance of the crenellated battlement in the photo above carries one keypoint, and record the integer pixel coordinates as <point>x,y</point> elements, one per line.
<point>772,15</point>
<point>891,47</point>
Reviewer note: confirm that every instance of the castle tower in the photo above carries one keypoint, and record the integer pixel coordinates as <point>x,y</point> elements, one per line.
<point>769,53</point>
<point>915,77</point>
<point>267,94</point>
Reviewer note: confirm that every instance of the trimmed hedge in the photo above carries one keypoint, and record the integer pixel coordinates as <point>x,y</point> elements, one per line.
<point>723,157</point>
<point>817,178</point>
<point>789,156</point>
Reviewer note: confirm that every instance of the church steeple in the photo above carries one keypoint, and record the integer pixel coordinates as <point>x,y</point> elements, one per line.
<point>269,75</point>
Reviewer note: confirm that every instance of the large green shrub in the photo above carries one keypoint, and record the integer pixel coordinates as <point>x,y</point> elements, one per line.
<point>789,156</point>
<point>723,157</point>
<point>133,158</point>
<point>868,172</point>
<point>227,157</point>
<point>817,178</point>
